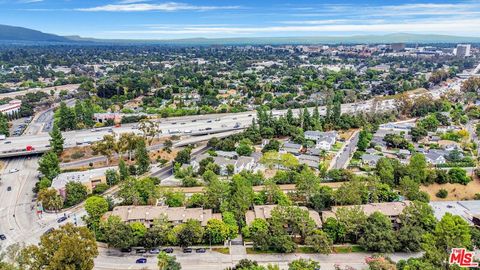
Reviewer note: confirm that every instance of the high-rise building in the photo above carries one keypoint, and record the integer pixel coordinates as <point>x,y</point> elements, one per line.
<point>397,47</point>
<point>463,50</point>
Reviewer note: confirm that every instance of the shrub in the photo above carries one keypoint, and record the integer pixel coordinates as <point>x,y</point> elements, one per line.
<point>442,193</point>
<point>78,154</point>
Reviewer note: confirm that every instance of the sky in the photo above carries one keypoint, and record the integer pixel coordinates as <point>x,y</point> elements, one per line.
<point>157,19</point>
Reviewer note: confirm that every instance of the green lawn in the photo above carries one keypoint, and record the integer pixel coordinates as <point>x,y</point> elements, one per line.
<point>224,250</point>
<point>347,249</point>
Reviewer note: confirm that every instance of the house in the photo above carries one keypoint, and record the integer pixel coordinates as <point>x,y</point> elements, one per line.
<point>90,179</point>
<point>324,140</point>
<point>435,157</point>
<point>290,147</point>
<point>227,154</point>
<point>147,214</point>
<point>390,209</point>
<point>311,161</point>
<point>265,212</point>
<point>370,160</point>
<point>239,164</point>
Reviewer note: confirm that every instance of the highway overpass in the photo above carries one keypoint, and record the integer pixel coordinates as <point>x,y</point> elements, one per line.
<point>197,125</point>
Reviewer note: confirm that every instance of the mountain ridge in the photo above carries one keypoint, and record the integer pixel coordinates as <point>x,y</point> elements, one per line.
<point>13,34</point>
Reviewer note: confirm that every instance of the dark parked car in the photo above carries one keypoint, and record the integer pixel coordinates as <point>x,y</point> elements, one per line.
<point>62,219</point>
<point>2,237</point>
<point>200,250</point>
<point>9,188</point>
<point>128,250</point>
<point>141,260</point>
<point>49,231</point>
<point>187,250</point>
<point>168,250</point>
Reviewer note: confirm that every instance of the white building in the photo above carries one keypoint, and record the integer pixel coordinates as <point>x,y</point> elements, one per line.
<point>463,50</point>
<point>11,107</point>
<point>324,140</point>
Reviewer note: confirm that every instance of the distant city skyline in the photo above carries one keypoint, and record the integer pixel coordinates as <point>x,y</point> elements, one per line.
<point>153,19</point>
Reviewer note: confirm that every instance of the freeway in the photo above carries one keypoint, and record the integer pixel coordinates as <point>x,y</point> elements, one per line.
<point>187,125</point>
<point>56,89</point>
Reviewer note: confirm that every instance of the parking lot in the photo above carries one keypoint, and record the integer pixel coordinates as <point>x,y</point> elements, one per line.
<point>19,125</point>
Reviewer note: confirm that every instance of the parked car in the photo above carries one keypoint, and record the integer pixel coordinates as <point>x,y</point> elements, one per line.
<point>13,170</point>
<point>126,250</point>
<point>200,250</point>
<point>168,250</point>
<point>49,231</point>
<point>154,251</point>
<point>141,251</point>
<point>141,260</point>
<point>187,250</point>
<point>9,188</point>
<point>3,237</point>
<point>61,219</point>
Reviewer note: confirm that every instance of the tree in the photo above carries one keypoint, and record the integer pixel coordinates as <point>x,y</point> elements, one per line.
<point>215,193</point>
<point>303,264</point>
<point>76,192</point>
<point>79,114</point>
<point>67,247</point>
<point>353,220</point>
<point>142,158</point>
<point>50,199</point>
<point>216,232</point>
<point>450,232</point>
<point>272,145</point>
<point>319,241</point>
<point>4,125</point>
<point>385,171</point>
<point>183,156</point>
<point>157,234</point>
<point>96,206</point>
<point>56,140</point>
<point>174,198</point>
<point>418,133</point>
<point>116,233</point>
<point>149,129</point>
<point>49,165</point>
<point>123,170</point>
<point>306,183</point>
<point>378,234</point>
<point>244,148</point>
<point>417,168</point>
<point>167,146</point>
<point>240,196</point>
<point>416,220</point>
<point>66,120</point>
<point>112,177</point>
<point>44,183</point>
<point>458,175</point>
<point>167,262</point>
<point>190,233</point>
<point>105,147</point>
<point>322,198</point>
<point>258,231</point>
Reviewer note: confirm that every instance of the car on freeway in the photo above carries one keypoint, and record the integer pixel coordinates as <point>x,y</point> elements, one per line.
<point>209,121</point>
<point>200,250</point>
<point>14,170</point>
<point>154,251</point>
<point>141,260</point>
<point>168,250</point>
<point>249,115</point>
<point>194,120</point>
<point>7,142</point>
<point>218,119</point>
<point>9,188</point>
<point>49,231</point>
<point>126,250</point>
<point>61,219</point>
<point>3,237</point>
<point>187,250</point>
<point>234,118</point>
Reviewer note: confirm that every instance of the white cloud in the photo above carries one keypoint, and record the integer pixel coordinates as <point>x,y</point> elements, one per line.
<point>168,6</point>
<point>459,27</point>
<point>29,1</point>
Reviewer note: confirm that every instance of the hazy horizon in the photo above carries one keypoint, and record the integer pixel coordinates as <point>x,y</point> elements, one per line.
<point>153,19</point>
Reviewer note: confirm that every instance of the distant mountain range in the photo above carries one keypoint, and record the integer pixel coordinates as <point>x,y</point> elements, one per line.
<point>21,35</point>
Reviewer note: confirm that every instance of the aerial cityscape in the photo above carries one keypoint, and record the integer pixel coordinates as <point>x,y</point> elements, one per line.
<point>239,135</point>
